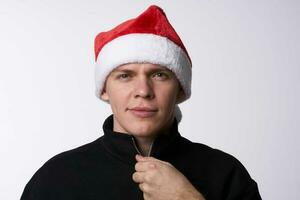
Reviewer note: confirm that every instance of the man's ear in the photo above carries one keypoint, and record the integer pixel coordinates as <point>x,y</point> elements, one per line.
<point>180,95</point>
<point>104,96</point>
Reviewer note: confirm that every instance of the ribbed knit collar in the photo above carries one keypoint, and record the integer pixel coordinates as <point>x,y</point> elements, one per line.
<point>122,145</point>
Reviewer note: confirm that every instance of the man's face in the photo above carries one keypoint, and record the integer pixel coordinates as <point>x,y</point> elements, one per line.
<point>142,97</point>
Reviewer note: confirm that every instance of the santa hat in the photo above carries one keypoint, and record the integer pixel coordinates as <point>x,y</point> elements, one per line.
<point>147,38</point>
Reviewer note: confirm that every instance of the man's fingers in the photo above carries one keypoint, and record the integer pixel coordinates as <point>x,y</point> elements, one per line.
<point>144,166</point>
<point>138,177</point>
<point>145,158</point>
<point>146,189</point>
<point>143,187</point>
<point>140,158</point>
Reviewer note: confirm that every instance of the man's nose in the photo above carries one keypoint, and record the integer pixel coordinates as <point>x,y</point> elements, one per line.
<point>144,88</point>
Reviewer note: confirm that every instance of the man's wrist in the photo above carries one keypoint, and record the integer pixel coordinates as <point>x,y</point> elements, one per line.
<point>198,196</point>
<point>193,194</point>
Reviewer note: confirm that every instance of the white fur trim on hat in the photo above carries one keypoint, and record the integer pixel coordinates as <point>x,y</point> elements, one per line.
<point>140,47</point>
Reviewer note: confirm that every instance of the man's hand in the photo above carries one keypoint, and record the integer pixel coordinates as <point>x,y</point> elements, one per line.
<point>160,180</point>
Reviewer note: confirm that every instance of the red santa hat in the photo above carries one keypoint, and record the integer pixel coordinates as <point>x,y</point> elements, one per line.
<point>147,38</point>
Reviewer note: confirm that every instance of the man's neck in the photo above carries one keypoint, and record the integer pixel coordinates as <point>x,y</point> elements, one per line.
<point>144,145</point>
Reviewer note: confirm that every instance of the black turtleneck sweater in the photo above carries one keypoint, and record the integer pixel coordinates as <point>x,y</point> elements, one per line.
<point>102,170</point>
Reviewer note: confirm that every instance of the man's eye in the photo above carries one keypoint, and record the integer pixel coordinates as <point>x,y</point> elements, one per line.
<point>160,75</point>
<point>122,76</point>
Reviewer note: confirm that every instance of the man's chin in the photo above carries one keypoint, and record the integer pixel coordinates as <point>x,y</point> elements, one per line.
<point>144,131</point>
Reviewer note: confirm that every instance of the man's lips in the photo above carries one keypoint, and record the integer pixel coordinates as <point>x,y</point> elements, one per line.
<point>144,109</point>
<point>143,112</point>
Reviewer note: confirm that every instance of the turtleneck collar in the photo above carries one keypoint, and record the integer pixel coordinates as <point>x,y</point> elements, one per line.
<point>124,146</point>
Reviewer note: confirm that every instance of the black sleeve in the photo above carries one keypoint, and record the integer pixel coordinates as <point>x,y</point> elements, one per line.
<point>240,186</point>
<point>251,193</point>
<point>30,190</point>
<point>53,181</point>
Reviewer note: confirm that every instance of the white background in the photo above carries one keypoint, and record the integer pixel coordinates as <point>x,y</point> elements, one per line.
<point>245,88</point>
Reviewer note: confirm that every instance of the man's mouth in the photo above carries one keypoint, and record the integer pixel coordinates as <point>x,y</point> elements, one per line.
<point>143,112</point>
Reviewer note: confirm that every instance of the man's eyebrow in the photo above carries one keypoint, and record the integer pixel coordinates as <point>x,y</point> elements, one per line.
<point>122,70</point>
<point>163,69</point>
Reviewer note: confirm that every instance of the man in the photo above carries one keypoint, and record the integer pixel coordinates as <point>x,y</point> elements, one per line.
<point>143,71</point>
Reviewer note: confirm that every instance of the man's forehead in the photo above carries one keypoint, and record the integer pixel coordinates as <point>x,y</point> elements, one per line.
<point>138,66</point>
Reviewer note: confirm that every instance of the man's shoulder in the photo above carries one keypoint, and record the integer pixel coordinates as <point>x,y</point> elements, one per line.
<point>215,166</point>
<point>212,157</point>
<point>63,169</point>
<point>79,153</point>
<point>211,153</point>
<point>71,160</point>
